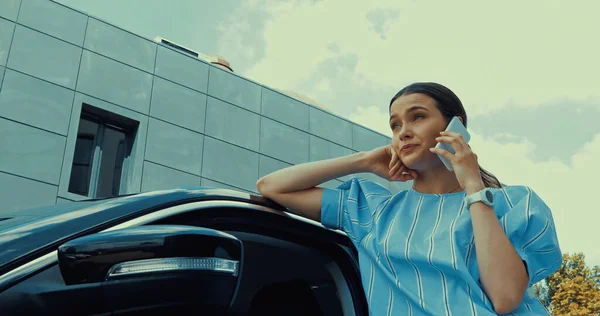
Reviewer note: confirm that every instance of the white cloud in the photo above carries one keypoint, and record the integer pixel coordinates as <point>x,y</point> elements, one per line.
<point>569,191</point>
<point>323,86</point>
<point>488,53</point>
<point>372,117</point>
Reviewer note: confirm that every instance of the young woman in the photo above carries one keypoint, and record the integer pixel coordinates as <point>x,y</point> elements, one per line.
<point>457,243</point>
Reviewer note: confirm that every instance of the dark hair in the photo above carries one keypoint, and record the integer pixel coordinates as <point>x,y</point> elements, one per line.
<point>449,104</point>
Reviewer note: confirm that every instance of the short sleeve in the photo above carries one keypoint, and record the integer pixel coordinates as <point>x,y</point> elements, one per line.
<point>530,228</point>
<point>350,206</point>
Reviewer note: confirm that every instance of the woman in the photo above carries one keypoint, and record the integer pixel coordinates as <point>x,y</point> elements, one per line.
<point>457,243</point>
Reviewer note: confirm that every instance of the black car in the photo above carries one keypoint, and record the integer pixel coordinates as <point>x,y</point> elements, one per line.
<point>202,251</point>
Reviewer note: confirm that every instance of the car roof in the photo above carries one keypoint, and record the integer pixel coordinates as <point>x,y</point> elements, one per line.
<point>26,232</point>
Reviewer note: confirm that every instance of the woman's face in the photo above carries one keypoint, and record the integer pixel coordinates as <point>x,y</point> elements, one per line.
<point>415,122</point>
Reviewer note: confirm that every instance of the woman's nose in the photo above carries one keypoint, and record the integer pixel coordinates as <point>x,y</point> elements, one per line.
<point>405,134</point>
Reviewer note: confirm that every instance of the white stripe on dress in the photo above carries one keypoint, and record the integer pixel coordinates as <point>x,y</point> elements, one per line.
<point>407,252</point>
<point>390,302</point>
<point>473,310</point>
<point>485,299</point>
<point>378,210</point>
<point>386,247</point>
<point>368,195</point>
<point>470,250</point>
<point>371,281</point>
<point>365,243</point>
<point>339,223</point>
<point>430,256</point>
<point>452,250</point>
<point>378,215</point>
<point>510,205</point>
<point>527,208</point>
<point>538,236</point>
<point>545,251</point>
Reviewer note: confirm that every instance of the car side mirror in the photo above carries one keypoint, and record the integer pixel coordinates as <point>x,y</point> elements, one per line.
<point>156,265</point>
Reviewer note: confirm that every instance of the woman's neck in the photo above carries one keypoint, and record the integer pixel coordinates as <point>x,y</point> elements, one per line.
<point>436,181</point>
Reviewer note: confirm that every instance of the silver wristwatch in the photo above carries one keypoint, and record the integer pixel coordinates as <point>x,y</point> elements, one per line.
<point>486,196</point>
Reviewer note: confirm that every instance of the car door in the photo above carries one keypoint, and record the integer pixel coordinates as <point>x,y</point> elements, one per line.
<point>290,266</point>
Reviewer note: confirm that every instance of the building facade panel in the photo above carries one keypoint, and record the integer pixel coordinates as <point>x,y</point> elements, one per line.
<point>165,119</point>
<point>31,50</point>
<point>54,19</point>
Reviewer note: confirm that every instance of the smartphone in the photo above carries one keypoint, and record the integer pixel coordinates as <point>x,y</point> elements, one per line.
<point>455,126</point>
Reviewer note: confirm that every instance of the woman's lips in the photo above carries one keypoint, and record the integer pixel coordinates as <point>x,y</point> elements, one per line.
<point>408,148</point>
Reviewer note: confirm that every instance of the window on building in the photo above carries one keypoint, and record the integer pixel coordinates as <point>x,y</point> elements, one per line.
<point>104,142</point>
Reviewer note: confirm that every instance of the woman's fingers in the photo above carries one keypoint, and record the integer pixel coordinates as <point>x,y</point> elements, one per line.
<point>444,153</point>
<point>404,174</point>
<point>406,177</point>
<point>456,140</point>
<point>412,173</point>
<point>397,170</point>
<point>394,157</point>
<point>395,162</point>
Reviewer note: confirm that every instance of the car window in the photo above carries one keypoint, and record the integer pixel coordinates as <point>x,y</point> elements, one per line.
<point>287,278</point>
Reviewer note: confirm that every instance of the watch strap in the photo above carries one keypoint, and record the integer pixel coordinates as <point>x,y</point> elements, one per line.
<point>479,196</point>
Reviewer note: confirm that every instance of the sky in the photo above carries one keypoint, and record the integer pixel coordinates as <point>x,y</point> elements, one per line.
<point>527,72</point>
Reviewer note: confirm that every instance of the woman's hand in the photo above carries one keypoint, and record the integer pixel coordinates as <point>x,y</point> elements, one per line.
<point>385,162</point>
<point>464,161</point>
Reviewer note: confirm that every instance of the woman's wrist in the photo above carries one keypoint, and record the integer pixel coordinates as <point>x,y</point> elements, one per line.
<point>474,186</point>
<point>361,162</point>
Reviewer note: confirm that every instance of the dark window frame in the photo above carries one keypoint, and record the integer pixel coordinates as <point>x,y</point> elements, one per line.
<point>106,120</point>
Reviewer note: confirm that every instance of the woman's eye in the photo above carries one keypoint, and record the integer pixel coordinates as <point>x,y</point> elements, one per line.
<point>395,126</point>
<point>419,116</point>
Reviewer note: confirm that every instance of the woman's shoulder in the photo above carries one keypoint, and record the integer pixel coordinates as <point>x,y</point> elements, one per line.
<point>365,186</point>
<point>516,192</point>
<point>513,195</point>
<point>513,191</point>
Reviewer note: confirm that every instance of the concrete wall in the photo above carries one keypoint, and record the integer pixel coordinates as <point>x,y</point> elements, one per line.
<point>197,124</point>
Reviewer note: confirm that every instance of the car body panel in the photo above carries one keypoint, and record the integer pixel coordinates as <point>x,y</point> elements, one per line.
<point>29,239</point>
<point>31,232</point>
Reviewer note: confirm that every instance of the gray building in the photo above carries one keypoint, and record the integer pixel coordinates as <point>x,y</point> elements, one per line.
<point>90,110</point>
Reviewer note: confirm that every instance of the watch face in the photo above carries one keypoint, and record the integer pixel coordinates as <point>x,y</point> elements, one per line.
<point>489,196</point>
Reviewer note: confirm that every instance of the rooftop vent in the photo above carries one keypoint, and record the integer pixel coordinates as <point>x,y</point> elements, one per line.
<point>216,60</point>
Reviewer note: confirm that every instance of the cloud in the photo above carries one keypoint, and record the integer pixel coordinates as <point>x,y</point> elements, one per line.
<point>381,20</point>
<point>340,87</point>
<point>559,129</point>
<point>569,190</point>
<point>373,117</point>
<point>492,55</point>
<point>241,38</point>
<point>300,36</point>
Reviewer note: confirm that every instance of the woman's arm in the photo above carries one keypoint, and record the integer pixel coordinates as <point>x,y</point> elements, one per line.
<point>295,187</point>
<point>308,175</point>
<point>502,271</point>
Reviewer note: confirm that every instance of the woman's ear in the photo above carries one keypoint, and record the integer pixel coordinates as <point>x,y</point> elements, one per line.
<point>461,120</point>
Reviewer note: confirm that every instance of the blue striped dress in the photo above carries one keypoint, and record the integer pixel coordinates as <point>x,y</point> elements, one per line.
<point>417,251</point>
